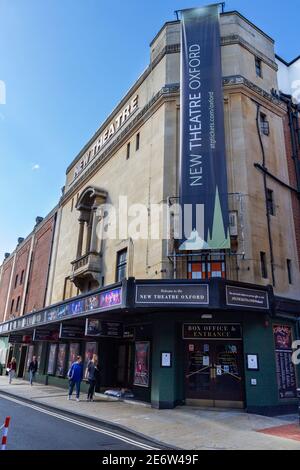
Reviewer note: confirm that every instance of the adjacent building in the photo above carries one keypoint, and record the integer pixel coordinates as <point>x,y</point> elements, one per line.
<point>209,327</point>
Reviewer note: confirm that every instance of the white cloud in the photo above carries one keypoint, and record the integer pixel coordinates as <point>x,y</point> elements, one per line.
<point>36,167</point>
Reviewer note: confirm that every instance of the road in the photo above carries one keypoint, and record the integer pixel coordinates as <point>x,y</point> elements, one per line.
<point>34,427</point>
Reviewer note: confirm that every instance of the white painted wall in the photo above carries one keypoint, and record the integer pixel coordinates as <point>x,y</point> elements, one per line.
<point>289,79</point>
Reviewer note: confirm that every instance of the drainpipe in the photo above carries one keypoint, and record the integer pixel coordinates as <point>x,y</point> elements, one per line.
<point>265,190</point>
<point>50,258</point>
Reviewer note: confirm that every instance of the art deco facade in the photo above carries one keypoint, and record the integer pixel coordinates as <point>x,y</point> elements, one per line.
<point>251,289</point>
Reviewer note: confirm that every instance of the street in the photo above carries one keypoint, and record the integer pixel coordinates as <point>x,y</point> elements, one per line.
<point>35,428</point>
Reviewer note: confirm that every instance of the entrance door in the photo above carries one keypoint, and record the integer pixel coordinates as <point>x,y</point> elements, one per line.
<point>214,373</point>
<point>22,361</point>
<point>125,365</point>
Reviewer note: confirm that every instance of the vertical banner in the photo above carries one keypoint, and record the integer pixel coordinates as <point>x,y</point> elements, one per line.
<point>203,177</point>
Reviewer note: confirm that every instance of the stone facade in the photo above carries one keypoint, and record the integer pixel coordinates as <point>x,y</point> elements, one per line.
<point>150,175</point>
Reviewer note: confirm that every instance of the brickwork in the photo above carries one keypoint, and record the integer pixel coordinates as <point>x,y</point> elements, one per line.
<point>39,267</point>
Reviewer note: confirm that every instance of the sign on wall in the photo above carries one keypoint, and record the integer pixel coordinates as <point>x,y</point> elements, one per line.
<point>285,369</point>
<point>187,294</point>
<point>211,331</point>
<point>94,327</point>
<point>244,297</point>
<point>203,179</point>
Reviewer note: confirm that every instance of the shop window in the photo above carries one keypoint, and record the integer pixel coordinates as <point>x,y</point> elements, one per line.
<point>264,124</point>
<point>206,267</point>
<point>289,270</point>
<point>137,141</point>
<point>263,265</point>
<point>270,202</point>
<point>121,265</point>
<point>258,67</point>
<point>128,151</point>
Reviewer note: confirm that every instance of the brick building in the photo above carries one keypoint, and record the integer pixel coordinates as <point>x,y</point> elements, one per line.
<point>24,273</point>
<point>289,88</point>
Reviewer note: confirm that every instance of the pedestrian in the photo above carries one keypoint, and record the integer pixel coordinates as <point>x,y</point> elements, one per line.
<point>32,369</point>
<point>92,376</point>
<point>11,369</point>
<point>75,375</point>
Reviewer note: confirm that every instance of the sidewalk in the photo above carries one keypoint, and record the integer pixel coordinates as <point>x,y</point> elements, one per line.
<point>183,427</point>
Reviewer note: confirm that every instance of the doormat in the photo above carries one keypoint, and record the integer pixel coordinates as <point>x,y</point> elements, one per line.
<point>287,431</point>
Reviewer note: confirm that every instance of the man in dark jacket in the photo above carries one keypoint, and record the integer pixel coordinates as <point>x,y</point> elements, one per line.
<point>75,375</point>
<point>32,369</point>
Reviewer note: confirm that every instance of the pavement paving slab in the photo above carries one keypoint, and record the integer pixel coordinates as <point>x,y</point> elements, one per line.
<point>184,427</point>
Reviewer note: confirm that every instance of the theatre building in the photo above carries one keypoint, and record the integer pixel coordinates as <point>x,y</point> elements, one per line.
<point>207,318</point>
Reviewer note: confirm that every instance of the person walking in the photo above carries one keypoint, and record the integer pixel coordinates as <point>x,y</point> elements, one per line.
<point>75,376</point>
<point>32,369</point>
<point>92,376</point>
<point>11,369</point>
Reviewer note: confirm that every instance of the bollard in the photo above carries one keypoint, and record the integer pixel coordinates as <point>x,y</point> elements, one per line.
<point>5,431</point>
<point>298,396</point>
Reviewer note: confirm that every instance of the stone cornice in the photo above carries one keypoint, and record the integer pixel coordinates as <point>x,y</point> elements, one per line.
<point>170,49</point>
<point>238,80</point>
<point>109,151</point>
<point>236,39</point>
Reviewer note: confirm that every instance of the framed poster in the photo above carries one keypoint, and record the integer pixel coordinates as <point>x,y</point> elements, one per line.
<point>61,360</point>
<point>90,350</point>
<point>30,354</point>
<point>51,359</point>
<point>285,369</point>
<point>252,362</point>
<point>141,364</point>
<point>39,354</point>
<point>73,353</point>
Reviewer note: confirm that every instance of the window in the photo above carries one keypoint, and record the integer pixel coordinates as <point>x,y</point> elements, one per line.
<point>72,204</point>
<point>18,304</point>
<point>264,124</point>
<point>263,265</point>
<point>270,202</point>
<point>258,67</point>
<point>22,277</point>
<point>289,270</point>
<point>128,151</point>
<point>16,280</point>
<point>121,265</point>
<point>12,306</point>
<point>206,267</point>
<point>137,141</point>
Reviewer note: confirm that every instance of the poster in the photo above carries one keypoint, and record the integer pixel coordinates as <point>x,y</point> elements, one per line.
<point>61,360</point>
<point>39,354</point>
<point>51,359</point>
<point>90,350</point>
<point>141,367</point>
<point>73,353</point>
<point>29,355</point>
<point>203,176</point>
<point>285,369</point>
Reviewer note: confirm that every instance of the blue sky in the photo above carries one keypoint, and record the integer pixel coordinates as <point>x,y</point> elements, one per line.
<point>65,65</point>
